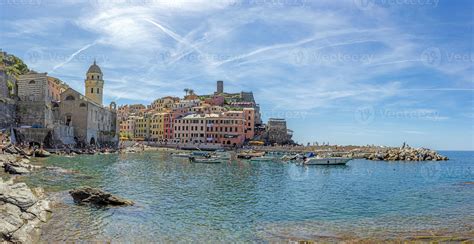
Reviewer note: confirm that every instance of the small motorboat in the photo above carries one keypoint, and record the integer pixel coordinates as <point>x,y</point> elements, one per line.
<point>221,155</point>
<point>262,159</point>
<point>180,155</point>
<point>248,155</point>
<point>205,160</point>
<point>326,161</point>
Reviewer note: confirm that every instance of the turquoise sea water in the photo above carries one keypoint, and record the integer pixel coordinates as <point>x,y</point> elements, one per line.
<point>244,201</point>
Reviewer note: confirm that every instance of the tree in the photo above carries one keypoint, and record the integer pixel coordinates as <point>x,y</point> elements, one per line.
<point>14,66</point>
<point>186,90</point>
<point>191,92</point>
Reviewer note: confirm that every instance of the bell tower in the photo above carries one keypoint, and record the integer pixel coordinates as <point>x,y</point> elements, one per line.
<point>94,84</point>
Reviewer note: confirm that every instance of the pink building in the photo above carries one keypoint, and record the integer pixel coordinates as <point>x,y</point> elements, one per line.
<point>230,128</point>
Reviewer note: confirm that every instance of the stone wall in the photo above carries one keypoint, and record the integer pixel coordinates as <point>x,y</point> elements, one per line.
<point>64,134</point>
<point>35,113</point>
<point>4,92</point>
<point>7,113</point>
<point>37,135</point>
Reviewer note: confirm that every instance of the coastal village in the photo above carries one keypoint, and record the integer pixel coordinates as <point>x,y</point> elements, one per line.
<point>41,114</point>
<point>38,109</point>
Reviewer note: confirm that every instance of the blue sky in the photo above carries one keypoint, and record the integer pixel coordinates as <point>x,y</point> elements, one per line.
<point>346,72</point>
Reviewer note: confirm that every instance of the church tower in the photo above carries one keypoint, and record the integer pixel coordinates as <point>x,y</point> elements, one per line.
<point>94,84</point>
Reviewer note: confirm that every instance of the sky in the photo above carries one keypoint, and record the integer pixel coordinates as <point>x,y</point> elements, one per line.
<point>354,72</point>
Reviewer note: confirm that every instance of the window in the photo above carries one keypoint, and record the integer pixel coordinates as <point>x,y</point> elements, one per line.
<point>32,82</point>
<point>98,90</point>
<point>68,120</point>
<point>70,98</point>
<point>82,105</point>
<point>92,90</point>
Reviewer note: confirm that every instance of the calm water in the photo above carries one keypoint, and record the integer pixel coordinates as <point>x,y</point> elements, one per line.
<point>265,201</point>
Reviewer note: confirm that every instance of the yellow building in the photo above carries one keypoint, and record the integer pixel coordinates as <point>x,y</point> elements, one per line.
<point>142,128</point>
<point>127,128</point>
<point>157,126</point>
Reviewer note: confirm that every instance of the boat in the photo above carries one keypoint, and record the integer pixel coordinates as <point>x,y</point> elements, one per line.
<point>180,155</point>
<point>290,157</point>
<point>221,155</point>
<point>326,161</point>
<point>248,155</point>
<point>200,154</point>
<point>205,160</point>
<point>262,159</point>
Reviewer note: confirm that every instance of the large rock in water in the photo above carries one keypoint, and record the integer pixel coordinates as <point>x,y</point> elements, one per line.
<point>98,197</point>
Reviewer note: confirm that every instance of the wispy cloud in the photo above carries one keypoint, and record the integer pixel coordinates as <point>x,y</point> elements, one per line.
<point>72,56</point>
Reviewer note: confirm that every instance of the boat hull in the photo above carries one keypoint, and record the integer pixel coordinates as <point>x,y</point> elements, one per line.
<point>262,159</point>
<point>205,160</point>
<point>326,161</point>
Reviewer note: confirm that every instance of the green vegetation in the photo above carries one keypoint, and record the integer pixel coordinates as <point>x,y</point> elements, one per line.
<point>14,66</point>
<point>232,108</point>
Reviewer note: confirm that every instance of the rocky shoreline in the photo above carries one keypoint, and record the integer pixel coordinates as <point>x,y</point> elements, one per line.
<point>22,211</point>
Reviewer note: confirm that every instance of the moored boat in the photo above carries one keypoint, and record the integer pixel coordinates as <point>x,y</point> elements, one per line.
<point>326,161</point>
<point>248,155</point>
<point>263,159</point>
<point>205,160</point>
<point>180,155</point>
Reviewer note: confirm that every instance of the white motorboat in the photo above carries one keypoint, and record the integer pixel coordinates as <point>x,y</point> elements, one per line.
<point>180,155</point>
<point>205,160</point>
<point>221,155</point>
<point>326,161</point>
<point>262,159</point>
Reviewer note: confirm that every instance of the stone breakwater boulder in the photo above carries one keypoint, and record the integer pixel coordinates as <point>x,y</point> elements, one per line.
<point>407,154</point>
<point>12,149</point>
<point>41,153</point>
<point>16,165</point>
<point>22,210</point>
<point>97,197</point>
